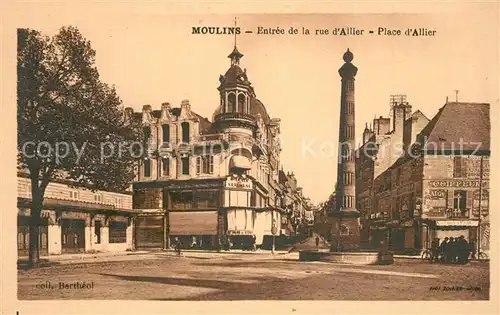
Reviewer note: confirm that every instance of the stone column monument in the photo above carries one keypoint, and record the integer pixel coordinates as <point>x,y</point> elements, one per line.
<point>346,228</point>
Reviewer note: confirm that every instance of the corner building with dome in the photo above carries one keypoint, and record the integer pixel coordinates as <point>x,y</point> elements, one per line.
<point>214,183</point>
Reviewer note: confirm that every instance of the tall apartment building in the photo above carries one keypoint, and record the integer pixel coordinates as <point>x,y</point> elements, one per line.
<point>209,181</point>
<point>382,146</point>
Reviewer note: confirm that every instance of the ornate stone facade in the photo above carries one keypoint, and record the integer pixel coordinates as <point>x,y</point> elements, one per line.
<point>225,171</point>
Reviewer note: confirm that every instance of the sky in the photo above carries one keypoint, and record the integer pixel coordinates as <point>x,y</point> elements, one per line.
<point>153,58</point>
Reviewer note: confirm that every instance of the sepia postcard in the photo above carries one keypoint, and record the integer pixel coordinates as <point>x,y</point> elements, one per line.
<point>201,158</point>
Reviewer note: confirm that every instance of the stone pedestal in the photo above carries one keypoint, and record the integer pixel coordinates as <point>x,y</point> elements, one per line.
<point>346,234</point>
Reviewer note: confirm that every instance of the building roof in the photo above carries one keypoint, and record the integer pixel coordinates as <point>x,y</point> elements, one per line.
<point>464,126</point>
<point>256,107</point>
<point>418,113</point>
<point>205,125</point>
<point>232,76</point>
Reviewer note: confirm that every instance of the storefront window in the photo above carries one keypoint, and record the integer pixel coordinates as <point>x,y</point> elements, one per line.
<point>117,232</point>
<point>182,200</point>
<point>206,199</point>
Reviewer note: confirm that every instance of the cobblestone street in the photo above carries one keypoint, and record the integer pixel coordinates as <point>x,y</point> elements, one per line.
<point>212,276</point>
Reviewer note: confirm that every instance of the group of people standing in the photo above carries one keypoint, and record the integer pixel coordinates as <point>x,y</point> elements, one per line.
<point>452,250</point>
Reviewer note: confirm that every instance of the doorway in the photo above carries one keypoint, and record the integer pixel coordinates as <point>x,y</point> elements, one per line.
<point>72,236</point>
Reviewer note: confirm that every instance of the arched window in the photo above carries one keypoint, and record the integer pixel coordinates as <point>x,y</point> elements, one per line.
<point>185,132</point>
<point>241,103</point>
<point>231,103</point>
<point>166,133</point>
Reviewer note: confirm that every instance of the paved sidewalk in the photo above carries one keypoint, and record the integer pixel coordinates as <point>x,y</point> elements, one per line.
<point>145,255</point>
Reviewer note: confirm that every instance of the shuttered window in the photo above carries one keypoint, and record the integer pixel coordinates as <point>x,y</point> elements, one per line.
<point>205,164</point>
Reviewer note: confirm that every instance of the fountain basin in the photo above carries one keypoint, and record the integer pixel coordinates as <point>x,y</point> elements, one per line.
<point>353,258</point>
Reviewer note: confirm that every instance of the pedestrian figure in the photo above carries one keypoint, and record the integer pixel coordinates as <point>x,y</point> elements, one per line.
<point>178,247</point>
<point>434,250</point>
<point>443,247</point>
<point>463,250</point>
<point>317,243</point>
<point>452,251</point>
<point>254,243</point>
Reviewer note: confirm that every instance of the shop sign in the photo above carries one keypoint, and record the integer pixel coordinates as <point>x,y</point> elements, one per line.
<point>455,184</point>
<point>436,212</point>
<point>239,232</point>
<point>418,207</point>
<point>437,194</point>
<point>74,215</point>
<point>239,183</point>
<point>484,212</point>
<point>457,223</point>
<point>484,195</point>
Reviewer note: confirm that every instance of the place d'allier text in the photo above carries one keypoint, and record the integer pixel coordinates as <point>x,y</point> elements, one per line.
<point>336,31</point>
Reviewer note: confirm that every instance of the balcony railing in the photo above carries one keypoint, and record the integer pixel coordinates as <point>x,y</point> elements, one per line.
<point>458,214</point>
<point>235,116</point>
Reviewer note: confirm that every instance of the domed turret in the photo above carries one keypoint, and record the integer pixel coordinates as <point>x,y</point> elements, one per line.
<point>236,94</point>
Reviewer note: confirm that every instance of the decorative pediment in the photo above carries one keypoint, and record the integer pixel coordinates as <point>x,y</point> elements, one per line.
<point>166,116</point>
<point>186,113</point>
<point>147,117</point>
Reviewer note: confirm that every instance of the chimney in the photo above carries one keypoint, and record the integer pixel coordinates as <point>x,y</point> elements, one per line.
<point>408,124</point>
<point>400,112</point>
<point>367,134</point>
<point>381,126</point>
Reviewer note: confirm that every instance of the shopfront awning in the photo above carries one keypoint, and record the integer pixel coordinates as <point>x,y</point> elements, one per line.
<point>193,223</point>
<point>457,223</point>
<point>239,161</point>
